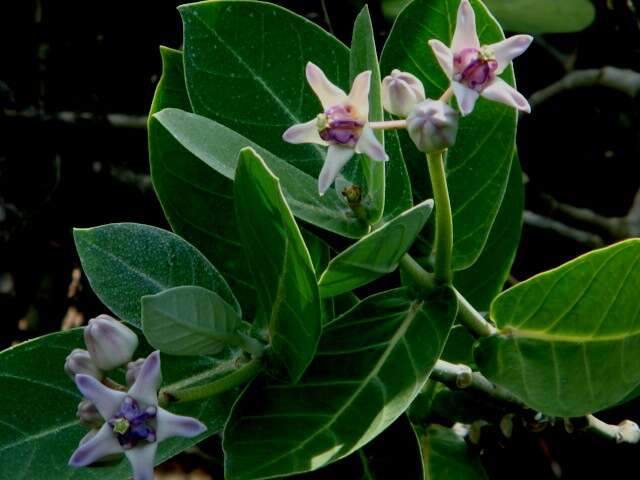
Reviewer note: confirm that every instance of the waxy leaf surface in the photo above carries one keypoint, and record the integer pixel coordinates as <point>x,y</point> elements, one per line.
<point>543,16</point>
<point>447,456</point>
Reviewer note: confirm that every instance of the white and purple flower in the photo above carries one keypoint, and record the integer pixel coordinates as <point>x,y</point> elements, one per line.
<point>110,343</point>
<point>343,126</point>
<point>473,69</point>
<point>134,423</point>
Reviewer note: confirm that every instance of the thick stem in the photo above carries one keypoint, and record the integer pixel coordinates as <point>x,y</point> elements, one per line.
<point>218,386</point>
<point>625,432</point>
<point>444,221</point>
<point>390,125</point>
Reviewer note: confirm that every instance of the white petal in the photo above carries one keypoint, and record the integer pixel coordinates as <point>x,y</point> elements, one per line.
<point>370,146</point>
<point>304,133</point>
<point>102,444</point>
<point>328,94</point>
<point>465,35</point>
<point>170,425</point>
<point>508,49</point>
<point>444,55</point>
<point>466,97</point>
<point>142,458</point>
<point>145,388</point>
<point>106,400</point>
<point>501,91</point>
<point>359,94</point>
<point>337,157</point>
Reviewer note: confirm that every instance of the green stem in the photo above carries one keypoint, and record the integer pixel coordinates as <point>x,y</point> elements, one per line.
<point>218,386</point>
<point>444,221</point>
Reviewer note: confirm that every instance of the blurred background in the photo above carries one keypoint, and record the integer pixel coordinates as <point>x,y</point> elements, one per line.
<point>76,82</point>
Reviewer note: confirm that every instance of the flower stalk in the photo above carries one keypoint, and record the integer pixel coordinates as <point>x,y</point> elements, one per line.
<point>444,219</point>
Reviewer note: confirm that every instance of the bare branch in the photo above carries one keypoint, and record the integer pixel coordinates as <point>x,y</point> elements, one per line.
<point>116,120</point>
<point>546,223</point>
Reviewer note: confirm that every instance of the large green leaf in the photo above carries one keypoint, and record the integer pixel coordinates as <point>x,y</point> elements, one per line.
<point>375,254</point>
<point>569,339</point>
<point>370,365</point>
<point>197,200</point>
<point>482,282</point>
<point>189,320</point>
<point>125,261</point>
<point>478,165</point>
<point>543,16</point>
<point>285,279</point>
<point>38,426</point>
<point>218,147</point>
<point>447,457</point>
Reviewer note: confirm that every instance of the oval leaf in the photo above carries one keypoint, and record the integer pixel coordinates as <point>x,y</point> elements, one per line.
<point>569,341</point>
<point>447,457</point>
<point>370,365</point>
<point>189,321</point>
<point>126,261</point>
<point>375,254</point>
<point>286,281</point>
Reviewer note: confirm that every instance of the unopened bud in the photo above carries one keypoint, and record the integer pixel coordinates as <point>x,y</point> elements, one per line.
<point>433,126</point>
<point>79,361</point>
<point>88,414</point>
<point>401,92</point>
<point>109,342</point>
<point>133,369</point>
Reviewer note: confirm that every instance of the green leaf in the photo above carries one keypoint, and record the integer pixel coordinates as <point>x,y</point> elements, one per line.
<point>286,281</point>
<point>364,57</point>
<point>447,457</point>
<point>126,261</point>
<point>478,165</point>
<point>459,347</point>
<point>375,254</point>
<point>38,410</point>
<point>569,339</point>
<point>189,321</point>
<point>399,196</point>
<point>371,363</point>
<point>395,453</point>
<point>482,282</point>
<point>543,16</point>
<point>197,200</point>
<point>218,147</point>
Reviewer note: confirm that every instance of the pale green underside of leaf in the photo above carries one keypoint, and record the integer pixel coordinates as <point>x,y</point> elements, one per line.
<point>478,164</point>
<point>370,365</point>
<point>570,337</point>
<point>189,320</point>
<point>375,254</point>
<point>125,261</point>
<point>447,457</point>
<point>543,16</point>
<point>284,276</point>
<point>38,426</point>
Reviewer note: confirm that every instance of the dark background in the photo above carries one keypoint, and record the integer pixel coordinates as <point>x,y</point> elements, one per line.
<point>65,161</point>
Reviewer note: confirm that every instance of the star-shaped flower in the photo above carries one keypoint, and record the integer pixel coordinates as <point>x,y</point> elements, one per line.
<point>343,126</point>
<point>134,423</point>
<point>473,69</point>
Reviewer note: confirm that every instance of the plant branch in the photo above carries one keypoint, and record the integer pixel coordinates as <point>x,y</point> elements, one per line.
<point>625,432</point>
<point>581,236</point>
<point>116,120</point>
<point>444,221</point>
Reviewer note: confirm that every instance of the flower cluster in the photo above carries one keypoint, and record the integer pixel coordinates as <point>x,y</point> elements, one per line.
<point>473,70</point>
<point>128,422</point>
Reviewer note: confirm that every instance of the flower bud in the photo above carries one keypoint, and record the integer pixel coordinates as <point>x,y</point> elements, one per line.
<point>433,126</point>
<point>88,414</point>
<point>79,361</point>
<point>401,91</point>
<point>109,342</point>
<point>133,369</point>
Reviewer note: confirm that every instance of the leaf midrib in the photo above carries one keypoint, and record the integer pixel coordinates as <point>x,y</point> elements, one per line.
<point>510,332</point>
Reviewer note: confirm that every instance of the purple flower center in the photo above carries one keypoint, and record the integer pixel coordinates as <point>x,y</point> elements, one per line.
<point>474,68</point>
<point>130,424</point>
<point>339,125</point>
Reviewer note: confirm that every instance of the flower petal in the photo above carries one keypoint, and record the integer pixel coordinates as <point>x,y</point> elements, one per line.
<point>370,146</point>
<point>145,388</point>
<point>337,157</point>
<point>142,459</point>
<point>444,55</point>
<point>508,49</point>
<point>465,35</point>
<point>501,91</point>
<point>170,425</point>
<point>304,133</point>
<point>102,444</point>
<point>328,94</point>
<point>359,94</point>
<point>466,97</point>
<point>106,400</point>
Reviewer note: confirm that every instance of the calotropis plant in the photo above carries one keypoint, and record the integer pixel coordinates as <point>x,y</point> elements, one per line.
<point>277,346</point>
